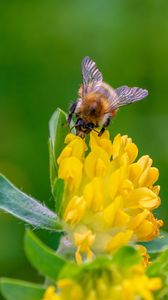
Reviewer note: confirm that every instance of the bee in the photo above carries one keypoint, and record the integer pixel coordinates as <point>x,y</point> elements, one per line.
<point>98,102</point>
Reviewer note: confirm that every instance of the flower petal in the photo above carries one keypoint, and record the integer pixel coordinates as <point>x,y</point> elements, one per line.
<point>120,239</point>
<point>75,210</point>
<point>103,141</point>
<point>116,180</point>
<point>111,211</point>
<point>144,198</point>
<point>93,194</point>
<point>96,163</point>
<point>70,170</point>
<point>132,151</point>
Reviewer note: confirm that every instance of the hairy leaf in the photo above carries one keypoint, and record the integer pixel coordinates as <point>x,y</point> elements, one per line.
<point>26,208</point>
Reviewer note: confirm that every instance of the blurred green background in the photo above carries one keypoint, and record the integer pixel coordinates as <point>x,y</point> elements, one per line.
<point>42,45</point>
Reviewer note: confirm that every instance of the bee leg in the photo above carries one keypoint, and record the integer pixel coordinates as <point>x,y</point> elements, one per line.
<point>104,126</point>
<point>101,131</point>
<point>71,111</point>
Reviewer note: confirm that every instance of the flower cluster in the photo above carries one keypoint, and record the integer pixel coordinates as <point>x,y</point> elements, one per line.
<point>105,199</point>
<point>109,197</point>
<point>108,282</point>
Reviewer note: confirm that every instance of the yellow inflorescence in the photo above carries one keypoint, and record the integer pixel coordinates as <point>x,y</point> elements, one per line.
<point>112,284</point>
<point>109,197</point>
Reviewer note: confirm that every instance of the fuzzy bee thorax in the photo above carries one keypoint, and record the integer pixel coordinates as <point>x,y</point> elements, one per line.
<point>92,108</point>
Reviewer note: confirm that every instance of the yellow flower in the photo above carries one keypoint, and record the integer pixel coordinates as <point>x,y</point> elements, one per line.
<point>71,171</point>
<point>75,210</point>
<point>76,147</point>
<point>104,282</point>
<point>83,242</point>
<point>50,294</point>
<point>139,286</point>
<point>109,197</point>
<point>66,289</point>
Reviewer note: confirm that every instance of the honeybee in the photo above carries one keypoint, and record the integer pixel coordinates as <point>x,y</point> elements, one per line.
<point>98,102</point>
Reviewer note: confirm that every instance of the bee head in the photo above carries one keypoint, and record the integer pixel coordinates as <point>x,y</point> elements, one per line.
<point>82,128</point>
<point>80,123</point>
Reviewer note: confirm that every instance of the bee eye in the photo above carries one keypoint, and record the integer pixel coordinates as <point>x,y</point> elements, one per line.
<point>90,125</point>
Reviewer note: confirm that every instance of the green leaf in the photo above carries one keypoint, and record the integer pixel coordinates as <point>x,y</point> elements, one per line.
<point>73,270</point>
<point>58,130</point>
<point>13,289</point>
<point>70,270</point>
<point>26,208</point>
<point>158,245</point>
<point>126,257</point>
<point>159,268</point>
<point>58,192</point>
<point>53,165</point>
<point>44,259</point>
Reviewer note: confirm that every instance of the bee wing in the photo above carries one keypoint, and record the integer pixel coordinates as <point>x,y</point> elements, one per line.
<point>92,77</point>
<point>127,95</point>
